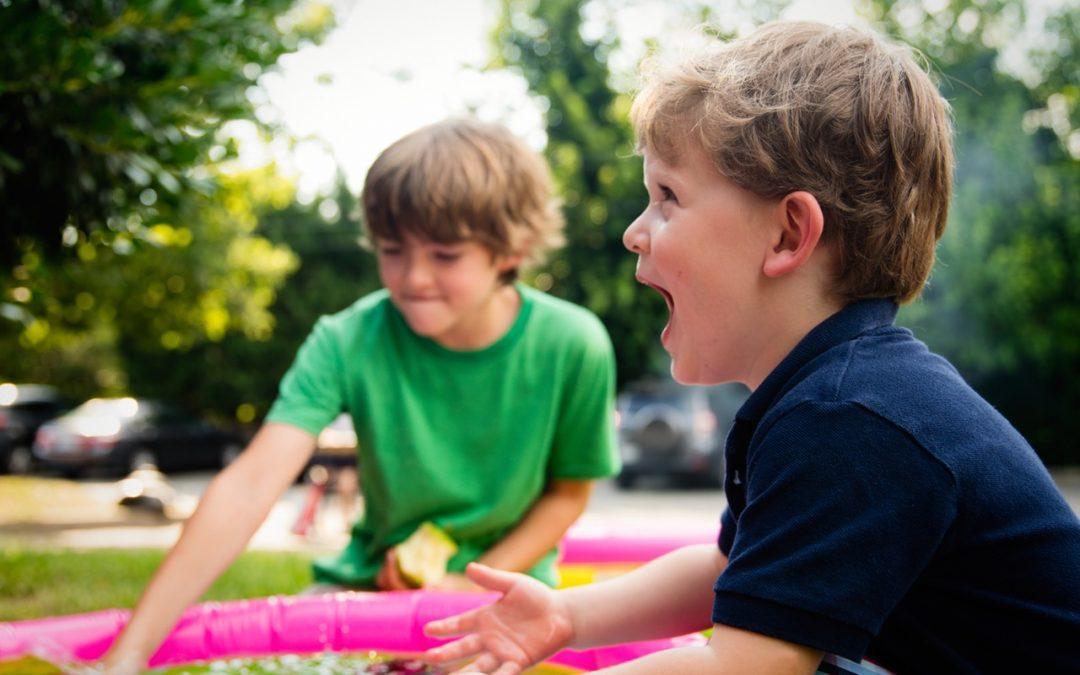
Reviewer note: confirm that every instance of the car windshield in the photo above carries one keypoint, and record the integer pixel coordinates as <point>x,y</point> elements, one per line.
<point>105,416</point>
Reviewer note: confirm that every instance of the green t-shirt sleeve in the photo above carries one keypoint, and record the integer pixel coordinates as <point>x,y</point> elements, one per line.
<point>311,394</point>
<point>584,444</point>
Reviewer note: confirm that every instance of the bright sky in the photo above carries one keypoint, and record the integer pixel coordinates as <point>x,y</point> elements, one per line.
<point>391,67</point>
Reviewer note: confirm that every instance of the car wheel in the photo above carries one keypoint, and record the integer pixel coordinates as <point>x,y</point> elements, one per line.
<point>143,458</point>
<point>229,454</point>
<point>20,461</point>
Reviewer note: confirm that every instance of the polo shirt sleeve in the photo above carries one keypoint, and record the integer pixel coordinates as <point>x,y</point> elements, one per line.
<point>843,513</point>
<point>727,532</point>
<point>584,444</point>
<point>311,394</point>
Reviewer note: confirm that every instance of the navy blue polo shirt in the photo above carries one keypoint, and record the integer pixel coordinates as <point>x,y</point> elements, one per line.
<point>878,507</point>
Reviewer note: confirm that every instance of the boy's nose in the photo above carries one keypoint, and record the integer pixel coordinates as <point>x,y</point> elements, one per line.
<point>417,275</point>
<point>636,236</point>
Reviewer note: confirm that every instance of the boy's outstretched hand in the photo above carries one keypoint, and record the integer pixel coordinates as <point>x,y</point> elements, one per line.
<point>527,625</point>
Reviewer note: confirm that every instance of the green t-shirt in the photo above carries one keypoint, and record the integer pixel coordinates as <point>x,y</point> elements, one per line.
<point>465,439</point>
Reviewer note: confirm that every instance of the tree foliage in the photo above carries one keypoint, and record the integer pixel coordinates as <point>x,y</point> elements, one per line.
<point>1003,303</point>
<point>107,106</point>
<point>144,309</point>
<point>135,264</point>
<point>591,153</point>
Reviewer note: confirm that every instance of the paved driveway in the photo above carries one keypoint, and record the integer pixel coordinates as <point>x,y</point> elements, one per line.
<point>102,524</point>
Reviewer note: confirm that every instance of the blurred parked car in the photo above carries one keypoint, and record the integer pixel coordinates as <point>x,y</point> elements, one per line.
<point>675,431</point>
<point>124,434</point>
<point>23,409</point>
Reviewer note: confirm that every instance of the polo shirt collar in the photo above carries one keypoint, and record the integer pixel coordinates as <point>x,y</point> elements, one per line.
<point>853,320</point>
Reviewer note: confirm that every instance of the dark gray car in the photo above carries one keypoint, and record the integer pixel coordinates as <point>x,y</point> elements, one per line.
<point>23,409</point>
<point>675,431</point>
<point>124,434</point>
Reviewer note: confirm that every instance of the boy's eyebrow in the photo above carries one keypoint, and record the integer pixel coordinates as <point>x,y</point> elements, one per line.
<point>661,175</point>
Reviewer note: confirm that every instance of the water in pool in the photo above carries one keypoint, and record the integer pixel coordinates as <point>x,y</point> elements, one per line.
<point>369,663</point>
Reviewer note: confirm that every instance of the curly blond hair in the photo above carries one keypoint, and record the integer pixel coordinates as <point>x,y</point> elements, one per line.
<point>837,112</point>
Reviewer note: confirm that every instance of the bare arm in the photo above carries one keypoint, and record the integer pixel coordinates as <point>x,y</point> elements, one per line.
<point>672,595</point>
<point>669,596</point>
<point>542,527</point>
<point>234,505</point>
<point>730,651</point>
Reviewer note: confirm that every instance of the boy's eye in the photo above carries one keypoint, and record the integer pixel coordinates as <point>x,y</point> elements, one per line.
<point>668,195</point>
<point>447,256</point>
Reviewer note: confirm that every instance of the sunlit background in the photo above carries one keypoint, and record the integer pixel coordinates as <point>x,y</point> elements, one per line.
<point>177,192</point>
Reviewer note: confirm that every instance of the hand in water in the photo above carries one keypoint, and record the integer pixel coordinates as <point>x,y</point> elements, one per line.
<point>524,627</point>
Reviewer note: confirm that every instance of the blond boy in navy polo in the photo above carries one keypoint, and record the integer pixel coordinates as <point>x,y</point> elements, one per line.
<point>798,180</point>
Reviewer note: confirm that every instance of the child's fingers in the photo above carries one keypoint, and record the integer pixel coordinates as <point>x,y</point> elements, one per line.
<point>381,581</point>
<point>490,578</point>
<point>453,625</point>
<point>394,580</point>
<point>470,645</point>
<point>508,669</point>
<point>485,664</point>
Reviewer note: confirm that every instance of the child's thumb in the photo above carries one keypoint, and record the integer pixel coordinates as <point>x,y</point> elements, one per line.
<point>490,578</point>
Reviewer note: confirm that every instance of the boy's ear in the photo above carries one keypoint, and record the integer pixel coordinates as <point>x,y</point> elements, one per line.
<point>801,224</point>
<point>505,263</point>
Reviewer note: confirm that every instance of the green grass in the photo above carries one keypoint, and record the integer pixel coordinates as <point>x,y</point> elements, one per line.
<point>41,583</point>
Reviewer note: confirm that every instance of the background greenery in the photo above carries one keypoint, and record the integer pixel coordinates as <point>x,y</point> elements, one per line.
<point>38,583</point>
<point>138,261</point>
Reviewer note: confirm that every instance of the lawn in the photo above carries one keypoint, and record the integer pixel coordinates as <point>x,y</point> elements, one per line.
<point>41,583</point>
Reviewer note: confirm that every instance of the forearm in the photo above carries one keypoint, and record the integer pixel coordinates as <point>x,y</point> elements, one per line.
<point>230,511</point>
<point>730,652</point>
<point>542,528</point>
<point>672,595</point>
<point>207,545</point>
<point>699,659</point>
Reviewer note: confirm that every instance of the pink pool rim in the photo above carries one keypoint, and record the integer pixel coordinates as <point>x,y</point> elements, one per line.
<point>590,544</point>
<point>338,622</point>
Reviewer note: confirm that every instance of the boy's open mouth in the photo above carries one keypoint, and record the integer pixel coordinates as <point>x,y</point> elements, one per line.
<point>667,296</point>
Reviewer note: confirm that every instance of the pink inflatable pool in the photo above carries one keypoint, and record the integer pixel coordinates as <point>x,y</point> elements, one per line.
<point>391,622</point>
<point>586,544</point>
<point>591,553</point>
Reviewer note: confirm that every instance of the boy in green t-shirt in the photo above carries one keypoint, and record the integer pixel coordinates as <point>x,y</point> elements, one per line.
<point>480,404</point>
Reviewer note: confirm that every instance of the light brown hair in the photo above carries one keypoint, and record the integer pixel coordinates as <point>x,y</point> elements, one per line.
<point>464,180</point>
<point>837,112</point>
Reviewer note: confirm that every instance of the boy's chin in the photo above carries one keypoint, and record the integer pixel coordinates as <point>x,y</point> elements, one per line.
<point>679,375</point>
<point>688,375</point>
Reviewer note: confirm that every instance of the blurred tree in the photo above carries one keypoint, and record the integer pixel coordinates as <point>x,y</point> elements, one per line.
<point>135,264</point>
<point>591,152</point>
<point>125,318</point>
<point>107,106</point>
<point>334,272</point>
<point>1003,303</point>
<point>287,264</point>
